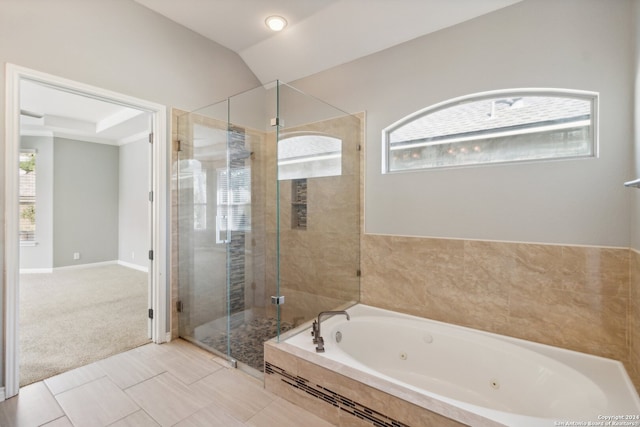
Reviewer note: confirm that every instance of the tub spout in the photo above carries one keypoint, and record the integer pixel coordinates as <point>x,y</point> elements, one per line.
<point>317,336</point>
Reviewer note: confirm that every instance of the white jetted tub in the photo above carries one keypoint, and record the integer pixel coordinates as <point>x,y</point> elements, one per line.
<point>510,381</point>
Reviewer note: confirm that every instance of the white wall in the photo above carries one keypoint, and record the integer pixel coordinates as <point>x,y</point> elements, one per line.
<point>577,44</point>
<point>133,222</point>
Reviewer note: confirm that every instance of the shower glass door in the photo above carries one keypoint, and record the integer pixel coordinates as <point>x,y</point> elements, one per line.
<point>268,218</point>
<point>200,182</point>
<point>225,277</point>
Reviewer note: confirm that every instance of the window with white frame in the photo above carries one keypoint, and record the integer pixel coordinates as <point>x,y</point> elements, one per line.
<point>309,155</point>
<point>234,202</point>
<point>27,195</point>
<point>494,127</point>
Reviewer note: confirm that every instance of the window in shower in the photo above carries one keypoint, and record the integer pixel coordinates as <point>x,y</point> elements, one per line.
<point>494,127</point>
<point>309,156</point>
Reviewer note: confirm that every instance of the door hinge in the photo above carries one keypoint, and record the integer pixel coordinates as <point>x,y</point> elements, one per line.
<point>151,196</point>
<point>151,313</point>
<point>277,300</point>
<point>151,255</point>
<point>358,273</point>
<point>358,147</point>
<point>151,138</point>
<point>178,145</point>
<point>179,306</point>
<point>276,122</point>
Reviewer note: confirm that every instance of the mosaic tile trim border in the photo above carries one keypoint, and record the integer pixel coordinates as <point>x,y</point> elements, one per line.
<point>347,405</point>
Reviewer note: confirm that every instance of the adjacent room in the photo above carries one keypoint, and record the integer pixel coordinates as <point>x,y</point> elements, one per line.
<point>84,172</point>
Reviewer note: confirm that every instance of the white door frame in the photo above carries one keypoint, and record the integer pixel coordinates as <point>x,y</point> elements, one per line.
<point>158,268</point>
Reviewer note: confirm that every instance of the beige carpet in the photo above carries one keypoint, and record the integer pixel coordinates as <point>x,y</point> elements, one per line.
<point>70,318</point>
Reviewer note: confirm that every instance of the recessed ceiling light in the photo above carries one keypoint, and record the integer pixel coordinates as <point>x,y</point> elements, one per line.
<point>276,23</point>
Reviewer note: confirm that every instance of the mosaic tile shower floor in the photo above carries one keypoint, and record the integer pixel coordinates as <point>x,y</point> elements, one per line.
<point>247,340</point>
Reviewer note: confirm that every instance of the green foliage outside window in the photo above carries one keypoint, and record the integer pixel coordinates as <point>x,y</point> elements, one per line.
<point>28,165</point>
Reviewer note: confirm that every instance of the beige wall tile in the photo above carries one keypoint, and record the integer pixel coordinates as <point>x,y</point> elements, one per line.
<point>489,266</point>
<point>595,270</point>
<point>572,297</point>
<point>589,323</point>
<point>537,266</point>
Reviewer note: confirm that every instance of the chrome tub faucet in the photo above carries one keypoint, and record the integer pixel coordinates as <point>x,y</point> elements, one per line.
<point>315,328</point>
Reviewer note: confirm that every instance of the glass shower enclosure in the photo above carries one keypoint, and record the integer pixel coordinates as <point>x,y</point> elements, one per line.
<point>267,190</point>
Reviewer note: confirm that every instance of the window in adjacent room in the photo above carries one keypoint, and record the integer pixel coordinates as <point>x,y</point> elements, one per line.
<point>27,196</point>
<point>494,127</point>
<point>234,202</point>
<point>200,199</point>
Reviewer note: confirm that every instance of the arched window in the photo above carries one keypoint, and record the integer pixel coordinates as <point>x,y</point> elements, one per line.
<point>309,156</point>
<point>494,127</point>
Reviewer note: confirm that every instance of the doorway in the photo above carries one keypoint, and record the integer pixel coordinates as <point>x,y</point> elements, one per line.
<point>153,248</point>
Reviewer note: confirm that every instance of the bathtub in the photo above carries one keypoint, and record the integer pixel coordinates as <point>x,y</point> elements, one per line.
<point>474,377</point>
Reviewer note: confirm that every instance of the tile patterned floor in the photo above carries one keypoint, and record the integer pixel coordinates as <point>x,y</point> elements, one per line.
<point>247,338</point>
<point>174,384</point>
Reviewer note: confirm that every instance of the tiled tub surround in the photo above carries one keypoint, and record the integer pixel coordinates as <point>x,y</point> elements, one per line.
<point>475,377</point>
<point>572,297</point>
<point>343,396</point>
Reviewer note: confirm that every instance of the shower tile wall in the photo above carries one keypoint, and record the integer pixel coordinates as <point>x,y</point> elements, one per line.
<point>319,264</point>
<point>567,296</point>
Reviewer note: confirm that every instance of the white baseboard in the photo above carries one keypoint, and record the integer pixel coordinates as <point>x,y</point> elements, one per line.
<point>78,266</point>
<point>133,266</point>
<point>3,397</point>
<point>90,265</point>
<point>36,270</point>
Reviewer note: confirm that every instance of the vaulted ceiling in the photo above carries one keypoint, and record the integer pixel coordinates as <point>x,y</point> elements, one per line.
<point>320,33</point>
